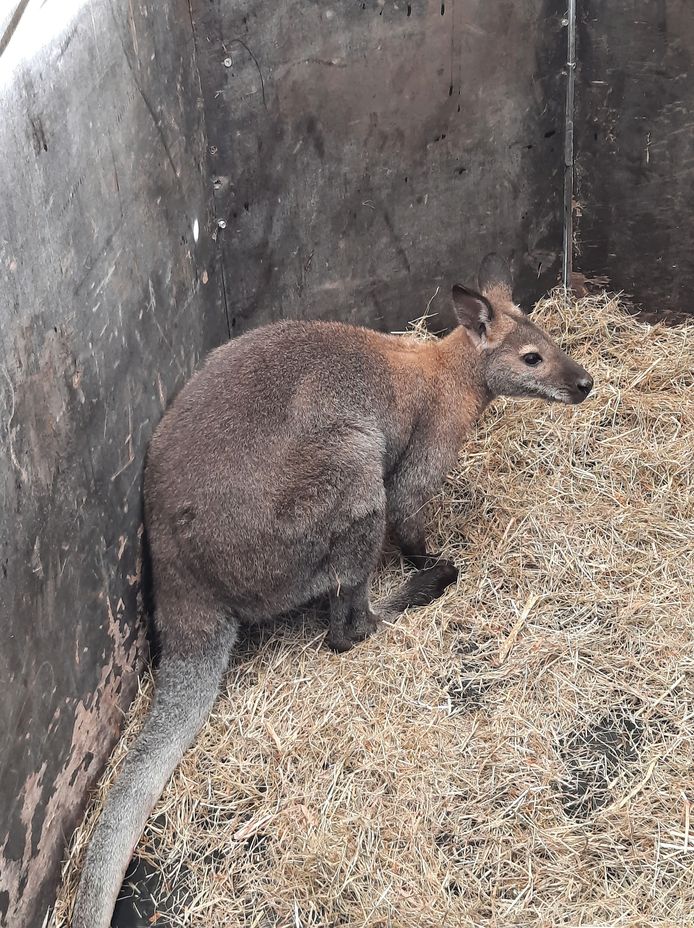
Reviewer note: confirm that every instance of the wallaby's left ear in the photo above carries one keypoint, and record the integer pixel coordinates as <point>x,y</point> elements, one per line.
<point>473,311</point>
<point>495,274</point>
<point>496,282</point>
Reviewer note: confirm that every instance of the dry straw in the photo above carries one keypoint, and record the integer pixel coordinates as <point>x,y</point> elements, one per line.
<point>520,752</point>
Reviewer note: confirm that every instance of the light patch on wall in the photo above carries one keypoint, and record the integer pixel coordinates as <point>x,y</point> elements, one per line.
<point>28,28</point>
<point>196,231</point>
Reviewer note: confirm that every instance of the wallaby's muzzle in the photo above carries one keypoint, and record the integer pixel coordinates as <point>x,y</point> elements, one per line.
<point>582,385</point>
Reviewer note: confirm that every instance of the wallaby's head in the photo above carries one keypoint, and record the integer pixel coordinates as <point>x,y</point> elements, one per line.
<point>518,358</point>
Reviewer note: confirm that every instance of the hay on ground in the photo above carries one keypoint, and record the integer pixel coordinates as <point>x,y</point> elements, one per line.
<point>520,752</point>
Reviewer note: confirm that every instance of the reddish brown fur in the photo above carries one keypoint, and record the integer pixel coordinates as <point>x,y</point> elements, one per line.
<point>272,481</point>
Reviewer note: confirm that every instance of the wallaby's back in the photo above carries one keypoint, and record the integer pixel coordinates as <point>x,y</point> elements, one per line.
<point>256,459</point>
<point>270,387</point>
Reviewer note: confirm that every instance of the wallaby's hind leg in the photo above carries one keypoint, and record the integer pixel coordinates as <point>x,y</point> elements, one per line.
<point>351,617</point>
<point>186,687</point>
<point>354,554</point>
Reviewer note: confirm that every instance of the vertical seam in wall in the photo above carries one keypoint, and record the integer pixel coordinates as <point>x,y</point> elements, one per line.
<point>218,248</point>
<point>567,252</point>
<point>220,255</point>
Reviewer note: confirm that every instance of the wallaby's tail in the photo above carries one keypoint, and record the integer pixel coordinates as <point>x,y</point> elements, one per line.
<point>186,688</point>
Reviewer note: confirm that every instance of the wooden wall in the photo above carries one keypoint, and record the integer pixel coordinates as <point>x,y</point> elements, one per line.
<point>634,155</point>
<point>104,312</point>
<point>364,153</point>
<point>359,155</point>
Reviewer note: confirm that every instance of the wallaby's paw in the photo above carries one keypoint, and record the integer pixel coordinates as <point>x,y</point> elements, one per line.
<point>425,586</point>
<point>363,625</point>
<point>339,643</point>
<point>422,587</point>
<point>428,561</point>
<point>448,573</point>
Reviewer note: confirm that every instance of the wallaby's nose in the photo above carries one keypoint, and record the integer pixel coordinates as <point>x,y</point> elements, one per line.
<point>585,385</point>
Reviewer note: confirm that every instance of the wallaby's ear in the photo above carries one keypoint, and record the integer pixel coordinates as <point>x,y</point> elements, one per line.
<point>495,274</point>
<point>473,311</point>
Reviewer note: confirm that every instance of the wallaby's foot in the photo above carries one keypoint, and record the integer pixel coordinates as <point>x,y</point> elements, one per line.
<point>359,626</point>
<point>425,560</point>
<point>362,624</point>
<point>423,587</point>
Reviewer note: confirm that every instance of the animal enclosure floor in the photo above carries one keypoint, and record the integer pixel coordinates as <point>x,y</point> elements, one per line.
<point>520,752</point>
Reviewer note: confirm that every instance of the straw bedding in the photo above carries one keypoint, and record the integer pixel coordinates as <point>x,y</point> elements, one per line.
<point>520,752</point>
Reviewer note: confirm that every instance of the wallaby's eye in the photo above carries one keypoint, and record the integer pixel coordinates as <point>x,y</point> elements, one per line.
<point>532,358</point>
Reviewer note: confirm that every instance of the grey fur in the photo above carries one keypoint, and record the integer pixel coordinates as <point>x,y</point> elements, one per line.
<point>186,689</point>
<point>273,480</point>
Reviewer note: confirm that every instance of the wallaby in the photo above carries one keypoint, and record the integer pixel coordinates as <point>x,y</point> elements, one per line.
<point>273,480</point>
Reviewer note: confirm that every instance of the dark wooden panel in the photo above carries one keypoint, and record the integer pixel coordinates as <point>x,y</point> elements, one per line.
<point>366,152</point>
<point>634,138</point>
<point>103,312</point>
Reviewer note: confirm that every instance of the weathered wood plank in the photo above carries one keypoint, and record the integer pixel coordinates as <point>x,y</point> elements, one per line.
<point>366,153</point>
<point>634,153</point>
<point>103,314</point>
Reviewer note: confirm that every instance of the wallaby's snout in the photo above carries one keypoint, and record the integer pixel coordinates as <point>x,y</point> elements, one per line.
<point>566,381</point>
<point>528,363</point>
<point>518,357</point>
<point>547,371</point>
<point>584,384</point>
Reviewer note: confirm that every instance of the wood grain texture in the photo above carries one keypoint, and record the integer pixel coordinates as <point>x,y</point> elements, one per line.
<point>365,153</point>
<point>103,314</point>
<point>634,149</point>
